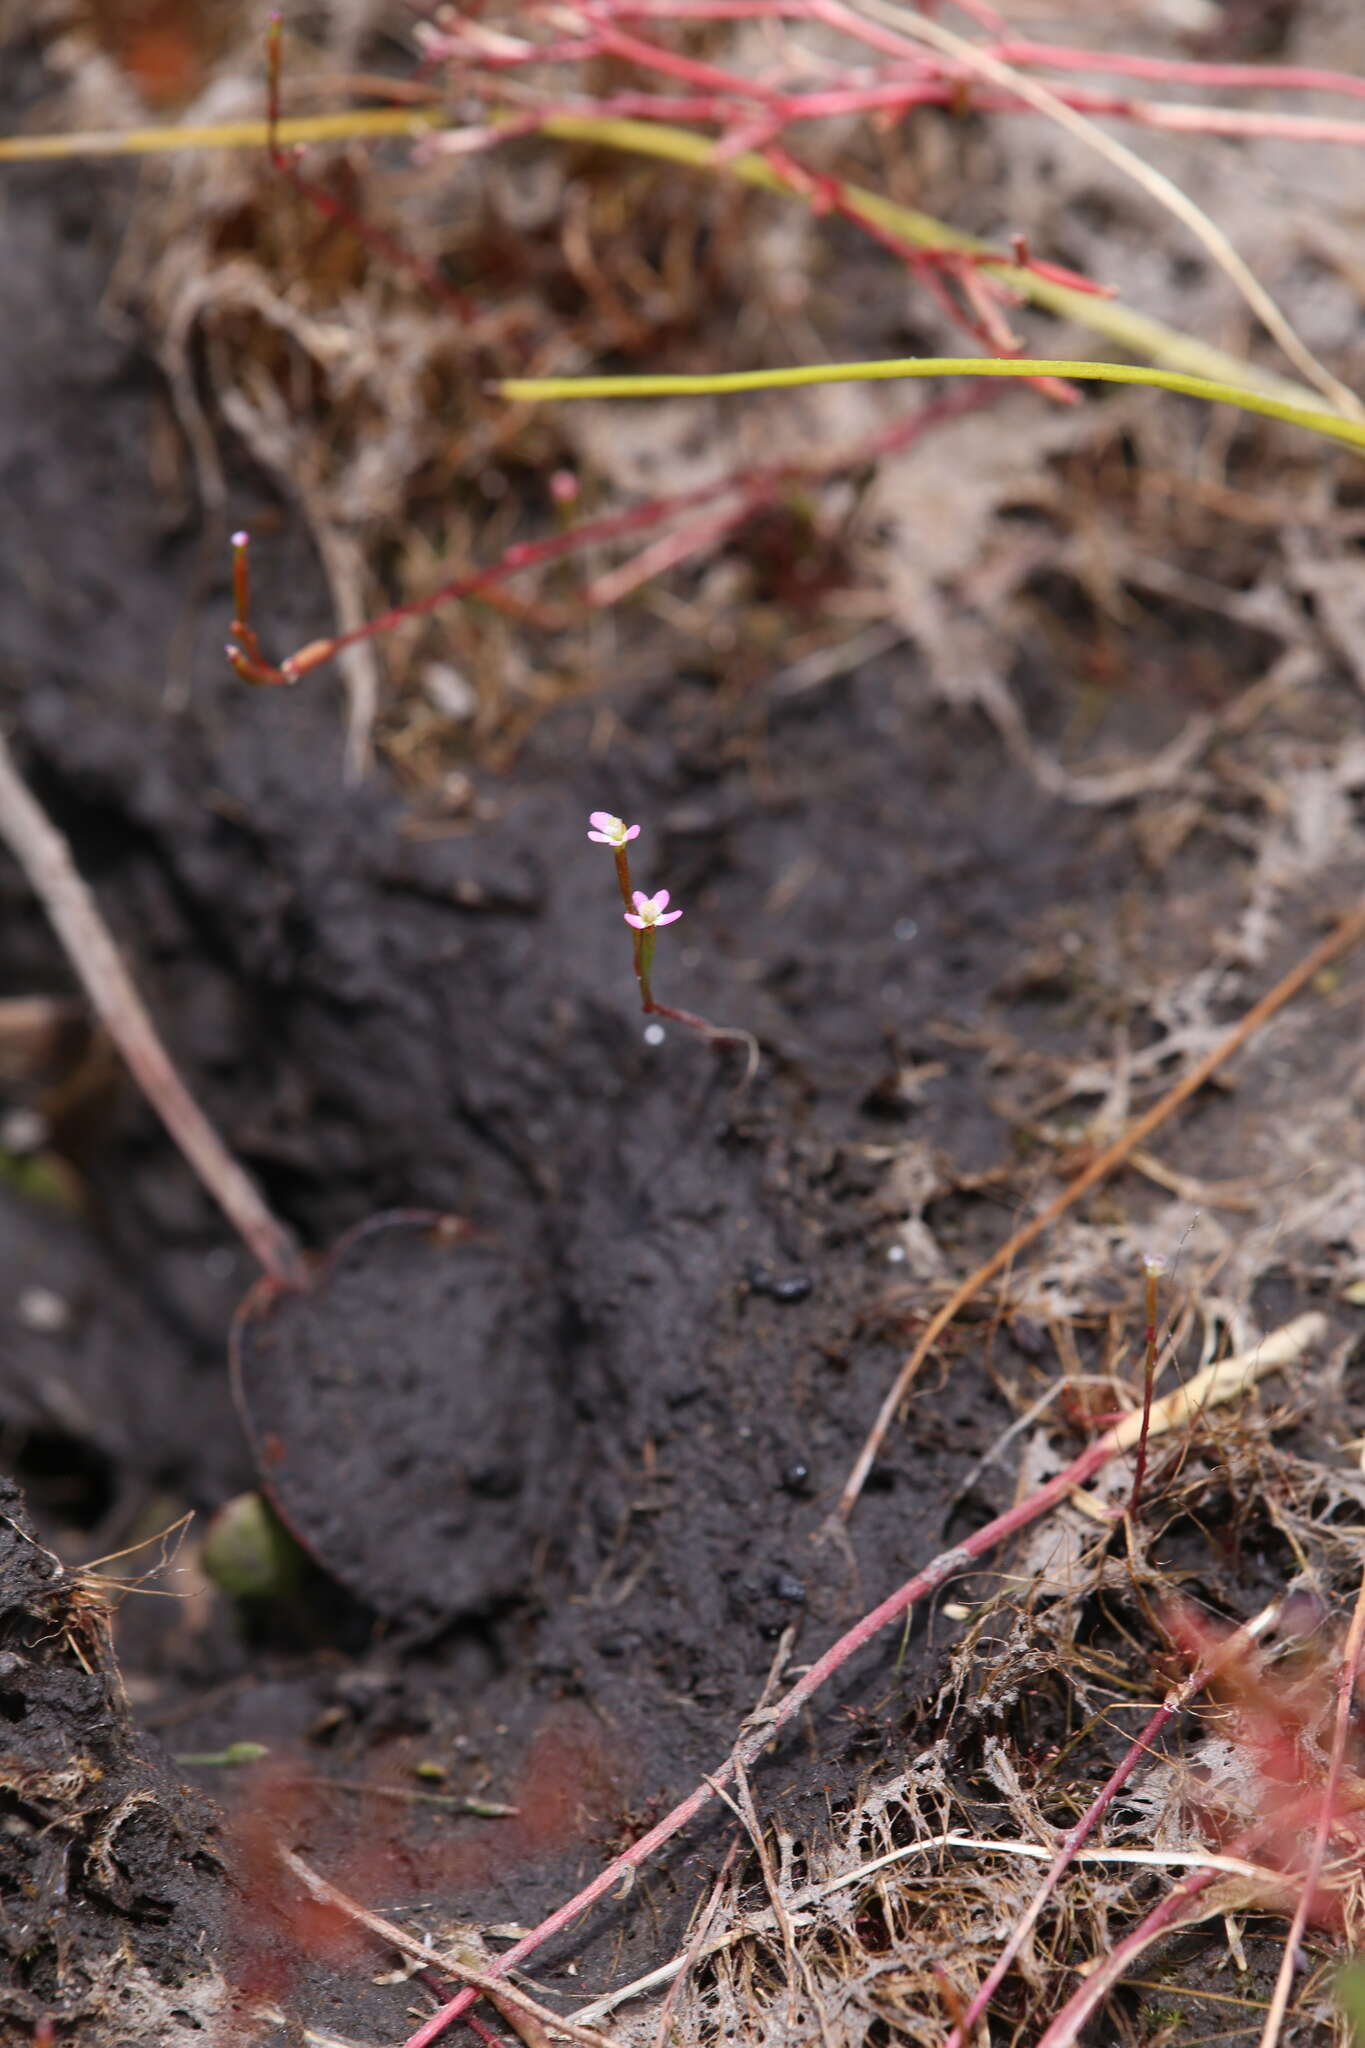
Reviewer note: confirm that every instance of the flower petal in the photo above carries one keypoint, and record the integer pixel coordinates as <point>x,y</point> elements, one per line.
<point>602,819</point>
<point>670,917</point>
<point>661,900</point>
<point>638,922</point>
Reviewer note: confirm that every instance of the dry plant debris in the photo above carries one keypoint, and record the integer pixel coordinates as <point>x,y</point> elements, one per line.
<point>1051,575</point>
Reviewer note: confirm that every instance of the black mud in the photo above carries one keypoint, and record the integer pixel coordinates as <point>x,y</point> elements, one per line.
<point>572,1467</point>
<point>646,1377</point>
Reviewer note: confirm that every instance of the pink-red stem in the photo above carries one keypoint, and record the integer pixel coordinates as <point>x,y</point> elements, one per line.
<point>766,1726</point>
<point>1168,1912</point>
<point>1139,1752</point>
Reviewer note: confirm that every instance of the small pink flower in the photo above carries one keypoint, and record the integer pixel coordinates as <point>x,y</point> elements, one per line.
<point>651,911</point>
<point>610,831</point>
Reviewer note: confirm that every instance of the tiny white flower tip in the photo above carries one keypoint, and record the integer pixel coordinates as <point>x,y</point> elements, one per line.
<point>241,539</point>
<point>651,911</point>
<point>610,831</point>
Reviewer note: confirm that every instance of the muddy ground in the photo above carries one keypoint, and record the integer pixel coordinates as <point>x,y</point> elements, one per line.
<point>654,1357</point>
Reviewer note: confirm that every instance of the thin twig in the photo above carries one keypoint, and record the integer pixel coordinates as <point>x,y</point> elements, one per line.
<point>494,1986</point>
<point>687,1961</point>
<point>1196,1857</point>
<point>1348,933</point>
<point>45,858</point>
<point>1216,1383</point>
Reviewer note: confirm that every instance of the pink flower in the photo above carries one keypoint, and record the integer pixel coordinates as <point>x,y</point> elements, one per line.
<point>610,831</point>
<point>651,911</point>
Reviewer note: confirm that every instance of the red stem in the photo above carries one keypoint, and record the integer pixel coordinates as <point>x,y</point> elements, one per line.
<point>1139,1752</point>
<point>611,526</point>
<point>766,1726</point>
<point>1096,1988</point>
<point>627,897</point>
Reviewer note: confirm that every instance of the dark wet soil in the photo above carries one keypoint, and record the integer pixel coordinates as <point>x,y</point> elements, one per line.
<point>570,1466</point>
<point>110,1878</point>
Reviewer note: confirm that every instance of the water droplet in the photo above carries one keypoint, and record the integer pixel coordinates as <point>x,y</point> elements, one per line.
<point>655,1034</point>
<point>905,929</point>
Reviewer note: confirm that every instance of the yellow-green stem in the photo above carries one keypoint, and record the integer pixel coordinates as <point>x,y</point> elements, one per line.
<point>1118,323</point>
<point>1317,419</point>
<point>1125,329</point>
<point>644,963</point>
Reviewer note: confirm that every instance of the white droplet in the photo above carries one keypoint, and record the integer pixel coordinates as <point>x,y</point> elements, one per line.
<point>38,1308</point>
<point>22,1131</point>
<point>655,1034</point>
<point>905,928</point>
<point>896,1254</point>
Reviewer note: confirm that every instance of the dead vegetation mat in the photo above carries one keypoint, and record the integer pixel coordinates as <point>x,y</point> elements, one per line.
<point>980,893</point>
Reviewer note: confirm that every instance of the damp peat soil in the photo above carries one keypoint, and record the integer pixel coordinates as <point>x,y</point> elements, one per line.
<point>700,1288</point>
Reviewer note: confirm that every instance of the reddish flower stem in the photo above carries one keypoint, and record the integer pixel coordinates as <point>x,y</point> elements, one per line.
<point>757,483</point>
<point>759,1732</point>
<point>643,959</point>
<point>1139,1752</point>
<point>1168,1912</point>
<point>627,897</point>
<point>1176,71</point>
<point>933,81</point>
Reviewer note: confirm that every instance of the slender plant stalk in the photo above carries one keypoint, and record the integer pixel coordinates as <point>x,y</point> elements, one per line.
<point>76,918</point>
<point>1119,324</point>
<point>756,486</point>
<point>1153,1285</point>
<point>643,957</point>
<point>1135,332</point>
<point>367,124</point>
<point>720,383</point>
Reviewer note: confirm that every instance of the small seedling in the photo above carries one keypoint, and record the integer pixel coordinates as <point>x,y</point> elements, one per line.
<point>646,916</point>
<point>250,1554</point>
<point>232,1758</point>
